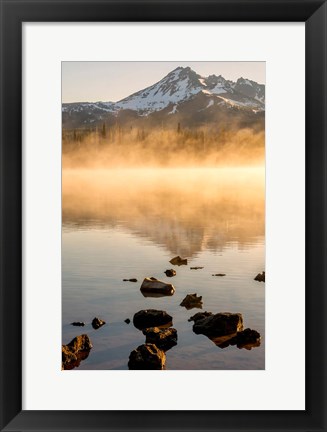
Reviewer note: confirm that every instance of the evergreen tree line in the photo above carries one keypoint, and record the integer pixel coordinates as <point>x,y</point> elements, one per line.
<point>160,146</point>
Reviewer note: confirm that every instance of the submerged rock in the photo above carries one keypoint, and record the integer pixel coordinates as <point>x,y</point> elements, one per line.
<point>170,272</point>
<point>162,338</point>
<point>177,260</point>
<point>97,323</point>
<point>196,268</point>
<point>130,280</point>
<point>78,324</point>
<point>152,318</point>
<point>219,274</point>
<point>260,277</point>
<point>153,285</point>
<point>192,301</point>
<point>73,353</point>
<point>147,357</point>
<point>127,321</point>
<point>220,324</point>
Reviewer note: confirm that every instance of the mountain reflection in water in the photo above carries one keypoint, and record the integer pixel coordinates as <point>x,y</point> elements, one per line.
<point>184,210</point>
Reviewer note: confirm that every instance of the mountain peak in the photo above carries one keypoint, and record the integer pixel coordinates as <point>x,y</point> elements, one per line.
<point>181,68</point>
<point>180,85</point>
<point>181,72</point>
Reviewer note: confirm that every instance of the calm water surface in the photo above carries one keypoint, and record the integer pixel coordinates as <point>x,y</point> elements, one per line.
<point>129,223</point>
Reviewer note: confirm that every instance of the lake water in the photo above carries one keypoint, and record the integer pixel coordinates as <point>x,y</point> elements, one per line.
<point>128,223</point>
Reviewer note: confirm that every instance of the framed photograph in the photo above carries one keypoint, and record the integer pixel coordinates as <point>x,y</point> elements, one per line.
<point>157,161</point>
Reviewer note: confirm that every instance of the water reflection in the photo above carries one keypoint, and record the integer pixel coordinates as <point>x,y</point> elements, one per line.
<point>129,224</point>
<point>156,294</point>
<point>184,210</point>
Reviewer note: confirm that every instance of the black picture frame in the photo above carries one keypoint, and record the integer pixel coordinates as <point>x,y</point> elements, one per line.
<point>13,14</point>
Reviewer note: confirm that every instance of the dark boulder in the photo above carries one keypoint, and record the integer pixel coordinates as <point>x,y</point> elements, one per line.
<point>164,339</point>
<point>220,324</point>
<point>68,358</point>
<point>200,315</point>
<point>78,324</point>
<point>170,272</point>
<point>97,323</point>
<point>151,318</point>
<point>260,277</point>
<point>248,339</point>
<point>192,301</point>
<point>127,321</point>
<point>130,280</point>
<point>219,274</point>
<point>77,350</point>
<point>177,260</point>
<point>147,357</point>
<point>153,285</point>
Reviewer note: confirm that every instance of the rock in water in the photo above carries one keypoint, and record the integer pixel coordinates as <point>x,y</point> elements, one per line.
<point>78,324</point>
<point>170,272</point>
<point>200,315</point>
<point>147,357</point>
<point>164,339</point>
<point>248,339</point>
<point>260,277</point>
<point>178,261</point>
<point>220,324</point>
<point>130,280</point>
<point>192,301</point>
<point>153,285</point>
<point>77,350</point>
<point>127,321</point>
<point>196,268</point>
<point>80,343</point>
<point>151,318</point>
<point>219,274</point>
<point>97,323</point>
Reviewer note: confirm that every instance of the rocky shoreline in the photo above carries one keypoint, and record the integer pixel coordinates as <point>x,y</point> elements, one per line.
<point>224,329</point>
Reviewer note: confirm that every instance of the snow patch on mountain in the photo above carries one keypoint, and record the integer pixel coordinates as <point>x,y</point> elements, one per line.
<point>218,89</point>
<point>236,103</point>
<point>174,110</point>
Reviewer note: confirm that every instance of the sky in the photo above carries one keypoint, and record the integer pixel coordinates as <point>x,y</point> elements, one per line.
<point>113,81</point>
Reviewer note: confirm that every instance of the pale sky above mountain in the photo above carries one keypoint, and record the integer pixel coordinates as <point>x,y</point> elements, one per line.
<point>113,81</point>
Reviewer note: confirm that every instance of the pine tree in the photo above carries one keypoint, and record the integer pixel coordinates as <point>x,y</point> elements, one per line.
<point>104,131</point>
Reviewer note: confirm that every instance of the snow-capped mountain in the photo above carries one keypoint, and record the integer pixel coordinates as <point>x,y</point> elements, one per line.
<point>170,96</point>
